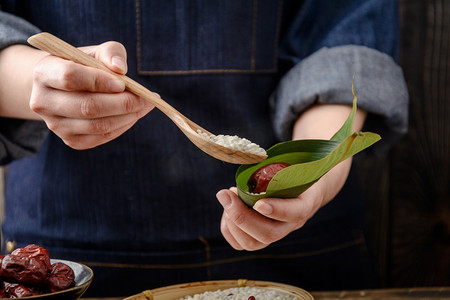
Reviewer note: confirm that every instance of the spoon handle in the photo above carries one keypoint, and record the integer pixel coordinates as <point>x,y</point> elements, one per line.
<point>55,46</point>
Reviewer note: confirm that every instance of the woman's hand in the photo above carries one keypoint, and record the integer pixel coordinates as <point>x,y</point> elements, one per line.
<point>84,106</point>
<point>271,219</point>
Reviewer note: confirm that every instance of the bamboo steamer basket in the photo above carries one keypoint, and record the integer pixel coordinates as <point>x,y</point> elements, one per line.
<point>177,291</point>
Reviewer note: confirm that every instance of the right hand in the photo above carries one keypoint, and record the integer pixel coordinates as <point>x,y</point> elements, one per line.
<point>84,106</point>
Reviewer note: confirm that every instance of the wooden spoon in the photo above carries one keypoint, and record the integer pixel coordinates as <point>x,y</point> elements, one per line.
<point>55,46</point>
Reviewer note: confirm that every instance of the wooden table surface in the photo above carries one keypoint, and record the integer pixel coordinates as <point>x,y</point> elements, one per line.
<point>432,293</point>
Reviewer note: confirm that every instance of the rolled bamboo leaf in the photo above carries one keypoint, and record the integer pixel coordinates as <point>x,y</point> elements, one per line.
<point>347,127</point>
<point>309,160</point>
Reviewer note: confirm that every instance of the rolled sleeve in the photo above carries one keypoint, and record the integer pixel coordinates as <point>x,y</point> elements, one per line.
<point>326,77</point>
<point>14,30</point>
<point>20,138</point>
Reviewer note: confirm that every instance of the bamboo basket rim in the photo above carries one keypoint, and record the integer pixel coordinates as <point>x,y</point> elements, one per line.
<point>176,291</point>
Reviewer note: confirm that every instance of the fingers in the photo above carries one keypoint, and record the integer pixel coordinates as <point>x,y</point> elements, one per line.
<point>268,221</point>
<point>56,73</point>
<point>85,106</point>
<point>70,76</point>
<point>245,228</point>
<point>92,132</point>
<point>295,210</point>
<point>238,238</point>
<point>87,141</point>
<point>228,235</point>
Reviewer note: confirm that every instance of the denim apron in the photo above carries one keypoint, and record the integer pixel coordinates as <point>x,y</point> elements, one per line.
<point>141,210</point>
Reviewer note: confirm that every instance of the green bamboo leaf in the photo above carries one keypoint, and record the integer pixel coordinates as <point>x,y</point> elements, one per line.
<point>306,167</point>
<point>305,173</point>
<point>292,152</point>
<point>309,160</point>
<point>347,128</point>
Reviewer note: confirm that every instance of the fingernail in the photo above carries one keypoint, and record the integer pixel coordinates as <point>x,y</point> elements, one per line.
<point>120,63</point>
<point>116,85</point>
<point>224,199</point>
<point>263,208</point>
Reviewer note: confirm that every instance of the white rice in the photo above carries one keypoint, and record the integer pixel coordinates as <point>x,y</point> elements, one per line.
<point>234,142</point>
<point>242,293</point>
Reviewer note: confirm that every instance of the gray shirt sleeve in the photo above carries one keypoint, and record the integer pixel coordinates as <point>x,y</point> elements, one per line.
<point>14,30</point>
<point>326,77</point>
<point>18,138</point>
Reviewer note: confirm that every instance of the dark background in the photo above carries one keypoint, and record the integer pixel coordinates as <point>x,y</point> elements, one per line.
<point>408,190</point>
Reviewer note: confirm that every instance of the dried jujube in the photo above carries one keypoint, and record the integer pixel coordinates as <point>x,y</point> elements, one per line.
<point>28,271</point>
<point>34,251</point>
<point>61,277</point>
<point>16,290</point>
<point>260,179</point>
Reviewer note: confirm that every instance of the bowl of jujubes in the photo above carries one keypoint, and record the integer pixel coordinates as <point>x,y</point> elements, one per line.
<point>30,273</point>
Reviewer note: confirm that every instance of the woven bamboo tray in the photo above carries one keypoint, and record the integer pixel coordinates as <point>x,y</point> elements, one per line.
<point>173,292</point>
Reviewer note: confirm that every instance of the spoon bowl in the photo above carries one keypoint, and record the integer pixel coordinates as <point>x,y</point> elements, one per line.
<point>55,46</point>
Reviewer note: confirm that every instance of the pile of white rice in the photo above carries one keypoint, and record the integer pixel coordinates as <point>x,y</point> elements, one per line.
<point>234,142</point>
<point>242,293</point>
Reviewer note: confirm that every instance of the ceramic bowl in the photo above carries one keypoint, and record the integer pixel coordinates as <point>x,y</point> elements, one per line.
<point>83,278</point>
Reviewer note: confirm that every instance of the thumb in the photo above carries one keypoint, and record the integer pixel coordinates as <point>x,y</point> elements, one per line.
<point>111,54</point>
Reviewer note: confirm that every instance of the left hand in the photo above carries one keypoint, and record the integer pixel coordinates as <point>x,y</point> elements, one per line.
<point>271,219</point>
